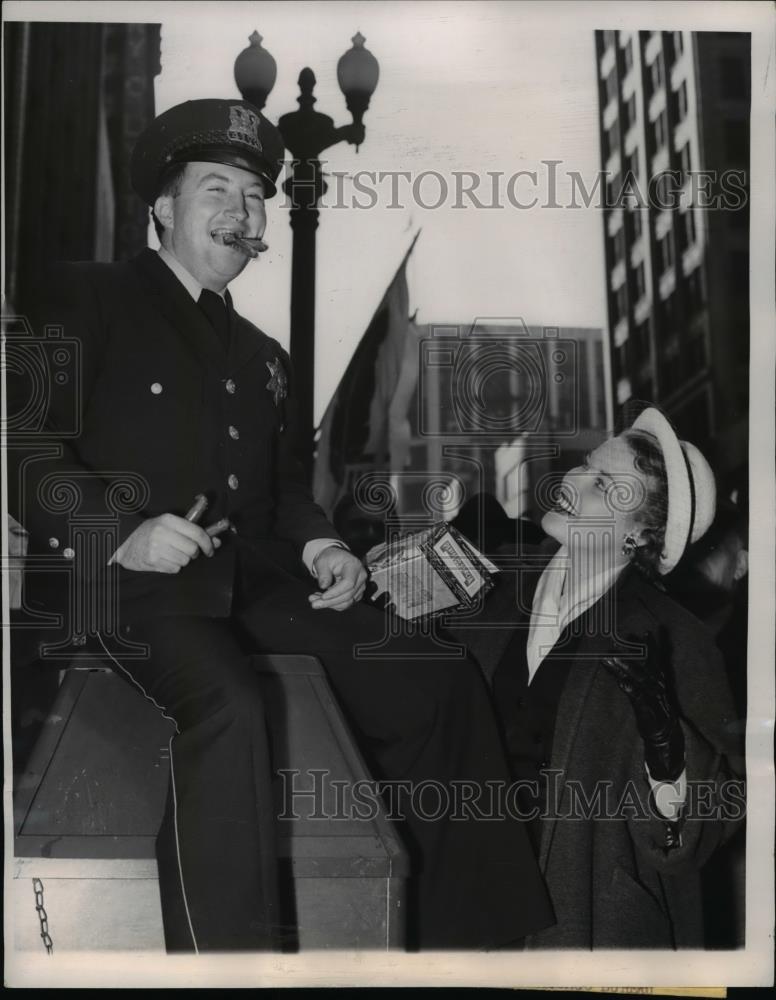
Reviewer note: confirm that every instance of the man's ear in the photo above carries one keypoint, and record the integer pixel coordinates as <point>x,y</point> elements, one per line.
<point>163,210</point>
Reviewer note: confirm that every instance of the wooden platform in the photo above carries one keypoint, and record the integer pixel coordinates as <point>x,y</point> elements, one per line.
<point>89,805</point>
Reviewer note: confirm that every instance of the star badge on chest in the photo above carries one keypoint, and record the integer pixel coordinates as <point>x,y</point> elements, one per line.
<point>278,383</point>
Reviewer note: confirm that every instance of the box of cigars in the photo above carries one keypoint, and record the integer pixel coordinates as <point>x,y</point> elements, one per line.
<point>429,573</point>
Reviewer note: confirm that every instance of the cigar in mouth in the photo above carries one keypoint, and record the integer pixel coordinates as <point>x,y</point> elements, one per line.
<point>219,527</point>
<point>248,245</point>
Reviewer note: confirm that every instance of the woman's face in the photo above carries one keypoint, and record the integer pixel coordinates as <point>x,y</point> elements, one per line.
<point>600,500</point>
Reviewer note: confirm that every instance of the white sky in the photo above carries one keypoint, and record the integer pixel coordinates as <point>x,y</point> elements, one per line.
<point>480,87</point>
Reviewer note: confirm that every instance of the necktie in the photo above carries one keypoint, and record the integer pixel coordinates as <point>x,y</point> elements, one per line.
<point>214,307</point>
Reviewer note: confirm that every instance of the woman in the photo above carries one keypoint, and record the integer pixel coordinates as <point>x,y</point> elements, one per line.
<point>613,699</point>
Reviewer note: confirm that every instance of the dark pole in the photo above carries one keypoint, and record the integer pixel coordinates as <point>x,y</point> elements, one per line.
<point>306,134</point>
<point>304,188</point>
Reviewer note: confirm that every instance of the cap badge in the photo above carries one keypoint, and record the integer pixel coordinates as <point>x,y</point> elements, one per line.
<point>278,383</point>
<point>244,126</point>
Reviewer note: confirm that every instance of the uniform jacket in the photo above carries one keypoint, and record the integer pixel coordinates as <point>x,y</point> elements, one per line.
<point>612,882</point>
<point>151,412</point>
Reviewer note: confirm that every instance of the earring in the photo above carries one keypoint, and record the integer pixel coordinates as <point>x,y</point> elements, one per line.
<point>628,545</point>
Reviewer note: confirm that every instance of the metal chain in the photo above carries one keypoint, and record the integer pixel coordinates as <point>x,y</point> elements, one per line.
<point>45,937</point>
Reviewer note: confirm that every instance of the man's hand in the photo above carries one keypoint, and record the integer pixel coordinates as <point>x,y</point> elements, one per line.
<point>341,575</point>
<point>164,544</point>
<point>647,683</point>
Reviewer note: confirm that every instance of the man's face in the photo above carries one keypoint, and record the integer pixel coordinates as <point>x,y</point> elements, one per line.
<point>212,198</point>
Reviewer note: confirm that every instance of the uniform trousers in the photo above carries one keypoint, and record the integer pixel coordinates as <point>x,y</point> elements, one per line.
<point>475,882</point>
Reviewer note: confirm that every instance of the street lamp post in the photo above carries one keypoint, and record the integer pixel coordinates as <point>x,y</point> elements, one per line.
<point>306,134</point>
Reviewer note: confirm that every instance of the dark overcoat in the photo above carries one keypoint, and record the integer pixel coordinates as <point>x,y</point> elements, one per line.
<point>148,412</point>
<point>612,881</point>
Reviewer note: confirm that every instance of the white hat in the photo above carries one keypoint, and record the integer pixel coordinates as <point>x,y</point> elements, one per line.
<point>691,490</point>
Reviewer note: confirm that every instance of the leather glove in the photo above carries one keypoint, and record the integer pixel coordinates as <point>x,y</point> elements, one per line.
<point>647,683</point>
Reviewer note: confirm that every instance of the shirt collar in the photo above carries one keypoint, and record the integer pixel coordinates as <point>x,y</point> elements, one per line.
<point>565,591</point>
<point>186,278</point>
<point>585,582</point>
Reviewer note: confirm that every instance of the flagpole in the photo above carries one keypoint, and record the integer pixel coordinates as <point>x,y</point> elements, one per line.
<point>364,411</point>
<point>396,273</point>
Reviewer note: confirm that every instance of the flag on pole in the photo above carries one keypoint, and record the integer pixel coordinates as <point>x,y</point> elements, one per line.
<point>365,425</point>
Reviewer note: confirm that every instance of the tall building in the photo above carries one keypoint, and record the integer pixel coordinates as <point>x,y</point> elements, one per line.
<point>499,405</point>
<point>674,131</point>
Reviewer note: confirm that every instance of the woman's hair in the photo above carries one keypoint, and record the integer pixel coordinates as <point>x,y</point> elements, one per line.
<point>653,513</point>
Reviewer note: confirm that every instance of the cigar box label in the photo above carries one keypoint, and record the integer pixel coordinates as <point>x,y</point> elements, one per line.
<point>429,572</point>
<point>457,563</point>
<point>409,594</point>
<point>417,593</point>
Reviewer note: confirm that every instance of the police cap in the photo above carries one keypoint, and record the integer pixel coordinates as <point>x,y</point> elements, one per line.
<point>212,131</point>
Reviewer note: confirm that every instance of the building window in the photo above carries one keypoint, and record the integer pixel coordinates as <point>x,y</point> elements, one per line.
<point>659,131</point>
<point>663,188</point>
<point>639,281</point>
<point>611,86</point>
<point>634,222</point>
<point>678,44</point>
<point>681,101</point>
<point>687,228</point>
<point>665,252</point>
<point>733,79</point>
<point>627,55</point>
<point>619,245</point>
<point>630,112</point>
<point>612,140</point>
<point>613,191</point>
<point>656,73</point>
<point>620,304</point>
<point>684,163</point>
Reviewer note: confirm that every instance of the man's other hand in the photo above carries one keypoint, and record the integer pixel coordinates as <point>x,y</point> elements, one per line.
<point>342,578</point>
<point>164,544</point>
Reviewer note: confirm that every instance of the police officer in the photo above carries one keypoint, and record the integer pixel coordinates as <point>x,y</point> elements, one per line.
<point>185,396</point>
